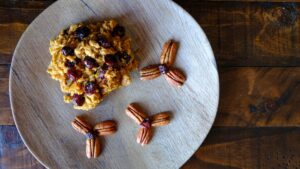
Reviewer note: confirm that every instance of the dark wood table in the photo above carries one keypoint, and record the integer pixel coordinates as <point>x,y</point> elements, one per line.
<point>257,47</point>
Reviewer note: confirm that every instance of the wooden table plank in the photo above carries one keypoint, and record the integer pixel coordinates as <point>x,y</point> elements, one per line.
<point>4,71</point>
<point>250,96</point>
<point>259,97</point>
<point>248,148</point>
<point>241,33</point>
<point>250,34</point>
<point>226,147</point>
<point>13,153</point>
<point>5,111</point>
<point>10,33</point>
<point>15,17</point>
<point>264,1</point>
<point>23,4</point>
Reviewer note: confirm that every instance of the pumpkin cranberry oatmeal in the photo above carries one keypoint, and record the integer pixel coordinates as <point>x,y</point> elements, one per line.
<point>90,61</point>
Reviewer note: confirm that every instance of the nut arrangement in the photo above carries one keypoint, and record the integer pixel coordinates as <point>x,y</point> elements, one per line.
<point>105,128</point>
<point>173,76</point>
<point>167,58</point>
<point>146,122</point>
<point>90,60</point>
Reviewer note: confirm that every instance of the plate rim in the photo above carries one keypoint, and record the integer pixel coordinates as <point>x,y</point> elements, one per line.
<point>10,88</point>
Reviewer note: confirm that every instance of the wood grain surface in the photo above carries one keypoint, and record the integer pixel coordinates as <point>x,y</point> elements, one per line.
<point>250,33</point>
<point>231,28</point>
<point>14,154</point>
<point>43,119</point>
<point>235,148</point>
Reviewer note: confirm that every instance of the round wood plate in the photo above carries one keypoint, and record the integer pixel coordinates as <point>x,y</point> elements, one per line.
<point>43,119</point>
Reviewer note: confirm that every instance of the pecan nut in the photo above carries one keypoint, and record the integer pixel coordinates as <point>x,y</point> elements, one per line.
<point>105,128</point>
<point>92,147</point>
<point>144,136</point>
<point>169,52</point>
<point>80,125</point>
<point>149,72</point>
<point>135,113</point>
<point>175,77</point>
<point>160,119</point>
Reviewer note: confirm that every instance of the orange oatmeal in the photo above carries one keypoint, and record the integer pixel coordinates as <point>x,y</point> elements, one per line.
<point>90,61</point>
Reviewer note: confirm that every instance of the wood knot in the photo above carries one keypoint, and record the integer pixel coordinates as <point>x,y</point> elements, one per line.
<point>270,106</point>
<point>266,106</point>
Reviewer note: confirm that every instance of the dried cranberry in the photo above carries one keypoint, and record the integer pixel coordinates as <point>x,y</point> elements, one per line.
<point>111,60</point>
<point>67,51</point>
<point>73,74</point>
<point>78,99</point>
<point>104,42</point>
<point>118,31</point>
<point>124,57</point>
<point>146,123</point>
<point>77,60</point>
<point>90,88</point>
<point>104,67</point>
<point>82,32</point>
<point>69,64</point>
<point>90,62</point>
<point>163,69</point>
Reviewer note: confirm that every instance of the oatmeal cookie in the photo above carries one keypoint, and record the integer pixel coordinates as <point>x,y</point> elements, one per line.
<point>90,61</point>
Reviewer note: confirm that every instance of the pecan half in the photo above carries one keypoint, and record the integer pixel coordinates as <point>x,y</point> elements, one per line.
<point>149,72</point>
<point>80,125</point>
<point>105,128</point>
<point>93,147</point>
<point>144,136</point>
<point>135,113</point>
<point>175,77</point>
<point>160,119</point>
<point>169,52</point>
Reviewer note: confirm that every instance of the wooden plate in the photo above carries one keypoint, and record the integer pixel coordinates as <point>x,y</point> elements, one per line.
<point>43,119</point>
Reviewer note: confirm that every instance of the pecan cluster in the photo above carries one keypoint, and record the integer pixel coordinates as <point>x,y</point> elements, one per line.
<point>167,58</point>
<point>92,134</point>
<point>146,122</point>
